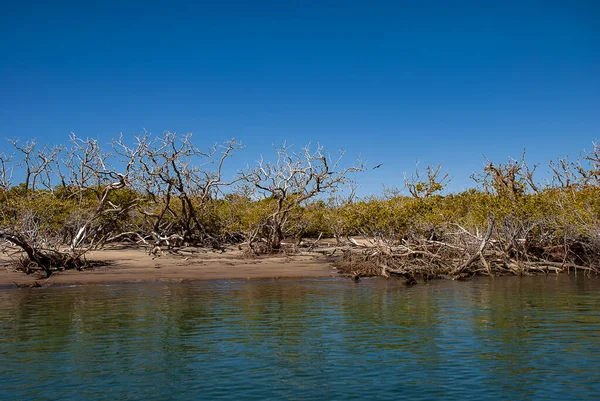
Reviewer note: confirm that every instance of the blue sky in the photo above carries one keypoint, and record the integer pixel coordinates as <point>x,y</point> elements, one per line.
<point>439,81</point>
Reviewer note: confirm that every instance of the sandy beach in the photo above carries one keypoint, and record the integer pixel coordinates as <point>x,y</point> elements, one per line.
<point>123,264</point>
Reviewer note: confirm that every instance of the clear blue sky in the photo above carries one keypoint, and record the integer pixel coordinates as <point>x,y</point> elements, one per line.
<point>393,81</point>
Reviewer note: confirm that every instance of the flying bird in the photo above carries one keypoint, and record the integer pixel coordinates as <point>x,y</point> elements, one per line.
<point>377,166</point>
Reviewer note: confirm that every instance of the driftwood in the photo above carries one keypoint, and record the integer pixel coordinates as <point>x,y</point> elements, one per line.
<point>479,254</point>
<point>456,255</point>
<point>42,259</point>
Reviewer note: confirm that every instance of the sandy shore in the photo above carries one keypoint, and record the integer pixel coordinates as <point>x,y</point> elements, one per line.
<point>131,265</point>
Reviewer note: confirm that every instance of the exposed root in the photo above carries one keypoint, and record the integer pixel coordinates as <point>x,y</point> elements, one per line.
<point>461,255</point>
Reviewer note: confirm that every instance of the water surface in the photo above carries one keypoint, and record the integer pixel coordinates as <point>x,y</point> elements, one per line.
<point>507,338</point>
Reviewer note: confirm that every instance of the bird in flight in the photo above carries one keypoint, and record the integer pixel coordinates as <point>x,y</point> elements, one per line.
<point>377,166</point>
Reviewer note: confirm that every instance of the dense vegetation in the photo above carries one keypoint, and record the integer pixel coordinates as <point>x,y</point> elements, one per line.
<point>165,191</point>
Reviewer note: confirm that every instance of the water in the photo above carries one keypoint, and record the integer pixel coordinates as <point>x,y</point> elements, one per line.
<point>328,339</point>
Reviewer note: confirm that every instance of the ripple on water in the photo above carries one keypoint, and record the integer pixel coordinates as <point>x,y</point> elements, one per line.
<point>507,338</point>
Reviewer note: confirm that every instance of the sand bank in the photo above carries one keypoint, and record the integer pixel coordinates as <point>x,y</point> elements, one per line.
<point>123,264</point>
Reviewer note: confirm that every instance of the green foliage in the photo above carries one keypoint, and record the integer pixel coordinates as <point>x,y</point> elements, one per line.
<point>554,211</point>
<point>546,215</point>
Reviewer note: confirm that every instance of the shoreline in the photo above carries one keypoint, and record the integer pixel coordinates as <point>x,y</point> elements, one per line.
<point>123,265</point>
<point>129,264</point>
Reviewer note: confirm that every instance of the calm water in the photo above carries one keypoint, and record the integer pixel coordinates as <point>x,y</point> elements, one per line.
<point>509,338</point>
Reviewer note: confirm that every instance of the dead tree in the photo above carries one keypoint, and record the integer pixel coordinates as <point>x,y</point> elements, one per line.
<point>180,179</point>
<point>93,176</point>
<point>290,181</point>
<point>512,179</point>
<point>593,158</point>
<point>6,173</point>
<point>37,163</point>
<point>423,187</point>
<point>89,180</point>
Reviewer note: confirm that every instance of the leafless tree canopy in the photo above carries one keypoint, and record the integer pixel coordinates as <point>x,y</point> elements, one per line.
<point>59,202</point>
<point>433,182</point>
<point>105,189</point>
<point>180,178</point>
<point>291,180</point>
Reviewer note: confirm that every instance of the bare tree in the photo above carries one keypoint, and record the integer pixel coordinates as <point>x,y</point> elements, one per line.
<point>37,163</point>
<point>593,158</point>
<point>6,172</point>
<point>564,173</point>
<point>180,179</point>
<point>511,179</point>
<point>290,181</point>
<point>423,187</point>
<point>92,174</point>
<point>91,180</point>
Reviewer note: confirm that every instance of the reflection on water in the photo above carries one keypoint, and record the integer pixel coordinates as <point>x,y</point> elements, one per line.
<point>507,338</point>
